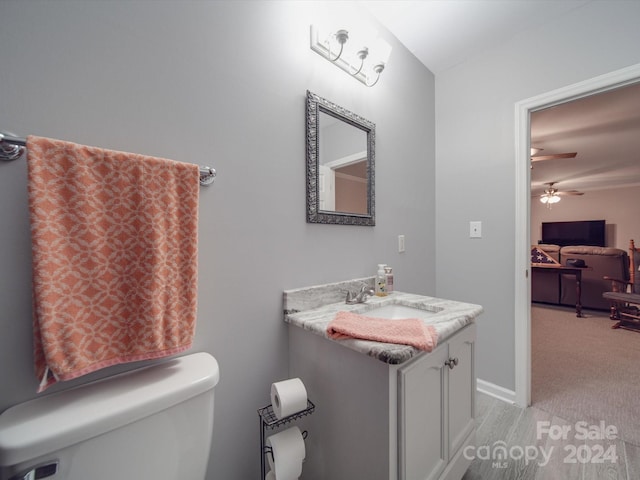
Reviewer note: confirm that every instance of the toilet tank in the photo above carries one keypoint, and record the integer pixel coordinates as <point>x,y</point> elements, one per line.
<point>154,423</point>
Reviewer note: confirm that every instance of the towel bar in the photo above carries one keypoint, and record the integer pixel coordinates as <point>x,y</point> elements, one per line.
<point>12,148</point>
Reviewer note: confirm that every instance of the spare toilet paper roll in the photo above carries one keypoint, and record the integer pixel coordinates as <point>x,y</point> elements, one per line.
<point>287,454</point>
<point>288,397</point>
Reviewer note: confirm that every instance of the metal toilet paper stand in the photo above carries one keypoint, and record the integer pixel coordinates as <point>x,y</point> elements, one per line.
<point>269,421</point>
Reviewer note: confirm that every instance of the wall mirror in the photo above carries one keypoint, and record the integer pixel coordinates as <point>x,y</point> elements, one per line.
<point>340,165</point>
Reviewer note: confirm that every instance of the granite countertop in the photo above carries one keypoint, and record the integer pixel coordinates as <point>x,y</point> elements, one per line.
<point>313,308</point>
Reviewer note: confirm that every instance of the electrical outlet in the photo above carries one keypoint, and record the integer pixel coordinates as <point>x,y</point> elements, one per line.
<point>475,229</point>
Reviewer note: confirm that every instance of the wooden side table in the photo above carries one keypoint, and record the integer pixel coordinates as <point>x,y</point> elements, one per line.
<point>561,269</point>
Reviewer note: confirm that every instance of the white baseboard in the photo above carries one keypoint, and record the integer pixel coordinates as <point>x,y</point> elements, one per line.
<point>496,391</point>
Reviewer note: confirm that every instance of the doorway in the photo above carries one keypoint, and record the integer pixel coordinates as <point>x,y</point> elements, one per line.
<point>524,109</point>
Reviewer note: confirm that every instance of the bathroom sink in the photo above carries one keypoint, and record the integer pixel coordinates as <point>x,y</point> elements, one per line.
<point>394,312</point>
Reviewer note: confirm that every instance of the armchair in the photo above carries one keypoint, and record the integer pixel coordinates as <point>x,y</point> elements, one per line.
<point>625,295</point>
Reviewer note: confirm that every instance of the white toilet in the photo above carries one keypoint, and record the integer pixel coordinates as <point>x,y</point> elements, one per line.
<point>154,423</point>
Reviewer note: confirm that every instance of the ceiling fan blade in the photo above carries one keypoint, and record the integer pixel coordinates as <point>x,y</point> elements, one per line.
<point>570,192</point>
<point>539,158</point>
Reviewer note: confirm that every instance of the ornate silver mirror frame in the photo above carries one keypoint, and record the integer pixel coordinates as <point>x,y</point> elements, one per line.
<point>315,214</point>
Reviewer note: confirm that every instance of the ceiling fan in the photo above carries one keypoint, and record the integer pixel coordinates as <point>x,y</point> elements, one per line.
<point>554,156</point>
<point>551,194</point>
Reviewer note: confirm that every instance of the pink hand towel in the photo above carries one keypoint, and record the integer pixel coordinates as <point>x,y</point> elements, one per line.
<point>409,331</point>
<point>114,241</point>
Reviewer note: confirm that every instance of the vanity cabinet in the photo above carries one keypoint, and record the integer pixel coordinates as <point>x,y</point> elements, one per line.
<point>386,422</point>
<point>436,410</point>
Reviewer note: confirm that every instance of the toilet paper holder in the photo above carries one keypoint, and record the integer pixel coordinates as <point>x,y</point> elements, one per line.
<point>269,421</point>
<point>268,450</point>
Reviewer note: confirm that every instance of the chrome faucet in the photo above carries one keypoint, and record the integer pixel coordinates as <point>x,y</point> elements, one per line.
<point>361,296</point>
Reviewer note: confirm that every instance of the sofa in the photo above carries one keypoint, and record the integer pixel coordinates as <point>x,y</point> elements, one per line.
<point>553,288</point>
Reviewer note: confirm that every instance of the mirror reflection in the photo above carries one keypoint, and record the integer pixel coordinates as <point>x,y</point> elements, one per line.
<point>340,165</point>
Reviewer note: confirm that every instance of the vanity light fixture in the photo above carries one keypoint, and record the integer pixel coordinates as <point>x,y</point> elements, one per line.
<point>364,58</point>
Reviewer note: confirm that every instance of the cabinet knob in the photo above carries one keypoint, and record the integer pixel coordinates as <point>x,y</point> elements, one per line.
<point>452,362</point>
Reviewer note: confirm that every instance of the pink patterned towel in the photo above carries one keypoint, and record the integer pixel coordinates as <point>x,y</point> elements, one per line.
<point>409,331</point>
<point>114,240</point>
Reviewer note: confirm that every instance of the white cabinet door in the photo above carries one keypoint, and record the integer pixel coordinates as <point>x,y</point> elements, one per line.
<point>462,388</point>
<point>421,417</point>
<point>436,409</point>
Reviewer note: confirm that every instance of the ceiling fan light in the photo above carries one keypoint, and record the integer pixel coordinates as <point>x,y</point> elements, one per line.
<point>549,197</point>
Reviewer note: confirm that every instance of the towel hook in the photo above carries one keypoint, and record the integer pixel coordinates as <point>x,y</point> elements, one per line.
<point>10,149</point>
<point>207,175</point>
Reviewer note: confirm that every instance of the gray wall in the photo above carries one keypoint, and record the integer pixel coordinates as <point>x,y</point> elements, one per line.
<point>223,84</point>
<point>475,168</point>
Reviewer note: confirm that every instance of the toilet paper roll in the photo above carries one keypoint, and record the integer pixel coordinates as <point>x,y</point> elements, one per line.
<point>287,454</point>
<point>288,397</point>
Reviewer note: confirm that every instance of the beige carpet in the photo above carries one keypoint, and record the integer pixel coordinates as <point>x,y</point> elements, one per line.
<point>582,370</point>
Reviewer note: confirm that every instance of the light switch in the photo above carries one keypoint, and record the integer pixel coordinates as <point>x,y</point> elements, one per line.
<point>475,229</point>
<point>400,243</point>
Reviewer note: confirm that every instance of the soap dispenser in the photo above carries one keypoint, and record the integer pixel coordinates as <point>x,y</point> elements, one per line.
<point>381,281</point>
<point>389,274</point>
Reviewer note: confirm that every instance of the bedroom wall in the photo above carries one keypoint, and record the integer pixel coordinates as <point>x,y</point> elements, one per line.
<point>475,169</point>
<point>221,83</point>
<point>616,206</point>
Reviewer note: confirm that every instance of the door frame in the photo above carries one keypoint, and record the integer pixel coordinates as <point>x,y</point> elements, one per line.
<point>523,109</point>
